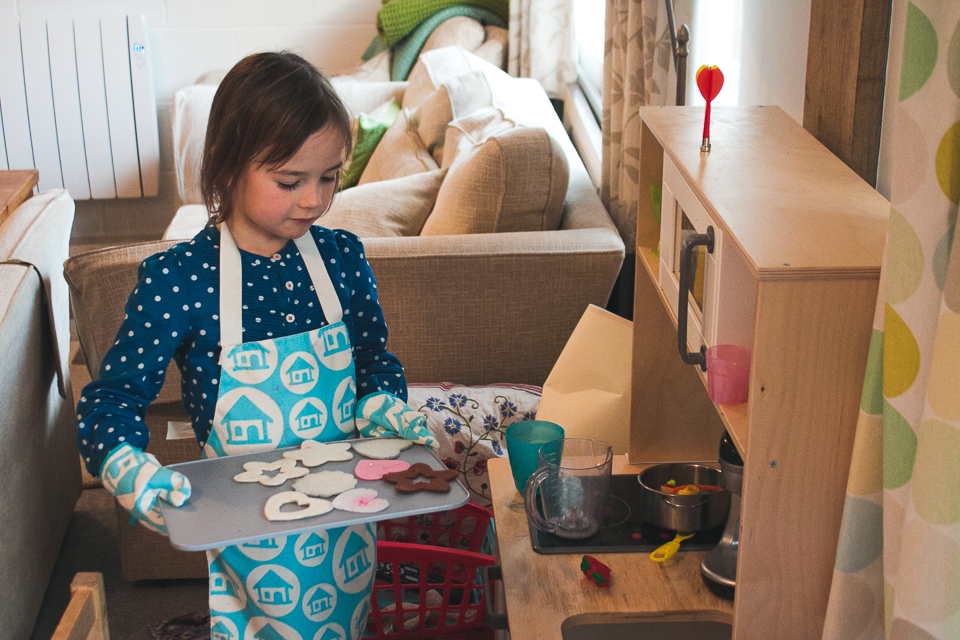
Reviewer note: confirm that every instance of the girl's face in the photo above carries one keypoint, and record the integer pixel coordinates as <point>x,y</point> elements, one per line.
<point>275,205</point>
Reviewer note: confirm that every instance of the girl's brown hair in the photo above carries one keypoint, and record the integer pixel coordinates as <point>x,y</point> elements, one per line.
<point>265,108</point>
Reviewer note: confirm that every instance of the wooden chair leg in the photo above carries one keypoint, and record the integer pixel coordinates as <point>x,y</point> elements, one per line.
<point>86,615</point>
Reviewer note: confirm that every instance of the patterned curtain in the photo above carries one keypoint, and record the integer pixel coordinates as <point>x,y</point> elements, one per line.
<point>897,573</point>
<point>634,74</point>
<point>542,43</point>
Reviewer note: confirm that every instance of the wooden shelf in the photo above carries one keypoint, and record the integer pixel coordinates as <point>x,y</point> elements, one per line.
<point>734,417</point>
<point>807,236</point>
<point>15,187</point>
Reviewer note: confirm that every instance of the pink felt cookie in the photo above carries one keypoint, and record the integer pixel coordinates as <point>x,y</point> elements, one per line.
<point>375,469</point>
<point>360,501</point>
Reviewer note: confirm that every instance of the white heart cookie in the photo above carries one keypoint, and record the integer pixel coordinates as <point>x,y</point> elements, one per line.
<point>254,472</point>
<point>325,483</point>
<point>360,501</point>
<point>313,454</point>
<point>311,506</point>
<point>381,448</point>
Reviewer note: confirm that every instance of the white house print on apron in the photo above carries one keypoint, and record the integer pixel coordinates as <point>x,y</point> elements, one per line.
<point>276,393</point>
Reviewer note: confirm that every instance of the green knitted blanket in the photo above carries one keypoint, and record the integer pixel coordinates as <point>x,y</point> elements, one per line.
<point>406,52</point>
<point>397,18</point>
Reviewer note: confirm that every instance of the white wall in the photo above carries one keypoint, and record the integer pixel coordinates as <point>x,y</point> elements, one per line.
<point>190,37</point>
<point>774,54</point>
<point>773,38</point>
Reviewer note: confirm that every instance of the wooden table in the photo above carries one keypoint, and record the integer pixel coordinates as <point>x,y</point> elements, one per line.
<point>544,590</point>
<point>15,187</point>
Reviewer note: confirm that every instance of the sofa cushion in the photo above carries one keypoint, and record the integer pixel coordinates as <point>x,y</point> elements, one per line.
<point>494,47</point>
<point>400,153</point>
<point>191,109</point>
<point>376,69</point>
<point>514,179</point>
<point>367,131</point>
<point>468,423</point>
<point>365,97</point>
<point>466,134</point>
<point>37,233</point>
<point>187,222</point>
<point>397,207</point>
<point>436,67</point>
<point>454,99</point>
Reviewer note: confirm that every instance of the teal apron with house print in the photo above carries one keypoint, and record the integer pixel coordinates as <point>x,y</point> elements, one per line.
<point>276,393</point>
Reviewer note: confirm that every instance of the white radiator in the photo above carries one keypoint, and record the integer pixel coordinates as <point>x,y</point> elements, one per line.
<point>77,103</point>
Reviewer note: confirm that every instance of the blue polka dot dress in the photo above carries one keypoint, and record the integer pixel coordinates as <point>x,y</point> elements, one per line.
<point>173,313</point>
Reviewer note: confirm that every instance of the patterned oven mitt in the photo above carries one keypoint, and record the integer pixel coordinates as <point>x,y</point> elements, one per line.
<point>384,414</point>
<point>136,479</point>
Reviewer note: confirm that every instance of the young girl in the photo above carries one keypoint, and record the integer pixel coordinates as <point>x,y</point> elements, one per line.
<point>258,292</point>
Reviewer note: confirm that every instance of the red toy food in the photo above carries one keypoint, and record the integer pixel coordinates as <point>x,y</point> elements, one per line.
<point>595,570</point>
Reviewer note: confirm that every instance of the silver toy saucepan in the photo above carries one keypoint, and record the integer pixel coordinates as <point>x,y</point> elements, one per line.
<point>705,509</point>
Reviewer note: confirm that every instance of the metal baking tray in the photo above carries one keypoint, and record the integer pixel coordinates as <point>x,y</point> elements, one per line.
<point>222,512</point>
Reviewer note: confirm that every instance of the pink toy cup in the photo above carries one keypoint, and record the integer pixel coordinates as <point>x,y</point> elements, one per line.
<point>728,373</point>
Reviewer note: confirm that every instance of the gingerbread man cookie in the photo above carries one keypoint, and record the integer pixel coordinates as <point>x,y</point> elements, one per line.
<point>437,481</point>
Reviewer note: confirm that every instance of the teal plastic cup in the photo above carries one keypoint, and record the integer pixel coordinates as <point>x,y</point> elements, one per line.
<point>524,440</point>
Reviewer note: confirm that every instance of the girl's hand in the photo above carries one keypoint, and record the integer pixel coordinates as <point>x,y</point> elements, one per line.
<point>384,414</point>
<point>136,479</point>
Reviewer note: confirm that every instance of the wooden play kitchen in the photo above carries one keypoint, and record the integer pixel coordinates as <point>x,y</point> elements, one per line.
<point>798,242</point>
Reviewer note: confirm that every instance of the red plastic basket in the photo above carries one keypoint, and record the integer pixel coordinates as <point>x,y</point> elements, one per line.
<point>428,569</point>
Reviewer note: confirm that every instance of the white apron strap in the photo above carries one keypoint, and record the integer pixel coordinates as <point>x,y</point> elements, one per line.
<point>231,286</point>
<point>231,292</point>
<point>329,301</point>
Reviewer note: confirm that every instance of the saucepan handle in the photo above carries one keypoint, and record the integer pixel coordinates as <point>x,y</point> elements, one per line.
<point>701,500</point>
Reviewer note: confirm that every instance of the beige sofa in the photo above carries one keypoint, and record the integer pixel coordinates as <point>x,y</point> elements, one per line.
<point>38,450</point>
<point>467,307</point>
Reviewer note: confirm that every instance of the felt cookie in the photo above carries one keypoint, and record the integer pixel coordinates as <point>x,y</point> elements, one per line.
<point>437,480</point>
<point>360,501</point>
<point>381,448</point>
<point>313,454</point>
<point>375,469</point>
<point>310,506</point>
<point>254,472</point>
<point>325,483</point>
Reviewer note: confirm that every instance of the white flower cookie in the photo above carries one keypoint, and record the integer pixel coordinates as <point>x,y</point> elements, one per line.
<point>325,483</point>
<point>313,454</point>
<point>255,472</point>
<point>381,448</point>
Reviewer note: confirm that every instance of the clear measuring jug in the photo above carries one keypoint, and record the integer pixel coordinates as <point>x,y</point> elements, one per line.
<point>573,481</point>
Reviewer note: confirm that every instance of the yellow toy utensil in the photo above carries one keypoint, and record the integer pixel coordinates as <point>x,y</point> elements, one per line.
<point>667,550</point>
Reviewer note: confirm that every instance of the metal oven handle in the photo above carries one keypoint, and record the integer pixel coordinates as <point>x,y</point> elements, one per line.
<point>686,282</point>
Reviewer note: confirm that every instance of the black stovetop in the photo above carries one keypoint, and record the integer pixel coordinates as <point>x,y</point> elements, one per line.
<point>624,529</point>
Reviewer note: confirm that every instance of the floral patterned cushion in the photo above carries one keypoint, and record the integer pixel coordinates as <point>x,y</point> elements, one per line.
<point>469,424</point>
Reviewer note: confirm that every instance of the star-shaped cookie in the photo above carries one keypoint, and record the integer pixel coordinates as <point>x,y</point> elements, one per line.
<point>437,481</point>
<point>254,471</point>
<point>313,454</point>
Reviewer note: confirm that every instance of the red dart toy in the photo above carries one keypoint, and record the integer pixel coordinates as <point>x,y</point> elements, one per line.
<point>709,81</point>
<point>595,570</point>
